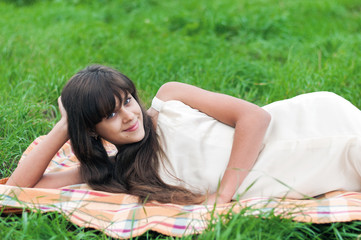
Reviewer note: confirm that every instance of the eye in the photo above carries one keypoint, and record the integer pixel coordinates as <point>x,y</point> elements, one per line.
<point>127,100</point>
<point>111,115</point>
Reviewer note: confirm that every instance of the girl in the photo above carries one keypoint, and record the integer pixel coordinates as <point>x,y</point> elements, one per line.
<point>194,145</point>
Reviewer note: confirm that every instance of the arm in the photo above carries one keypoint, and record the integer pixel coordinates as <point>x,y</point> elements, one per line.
<point>30,172</point>
<point>250,123</point>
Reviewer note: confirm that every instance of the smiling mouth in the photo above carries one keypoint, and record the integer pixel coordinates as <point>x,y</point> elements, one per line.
<point>133,127</point>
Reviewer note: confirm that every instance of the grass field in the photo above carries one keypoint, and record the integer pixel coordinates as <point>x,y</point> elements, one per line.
<point>258,50</point>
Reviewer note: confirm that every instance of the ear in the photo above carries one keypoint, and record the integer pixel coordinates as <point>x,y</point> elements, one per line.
<point>93,134</point>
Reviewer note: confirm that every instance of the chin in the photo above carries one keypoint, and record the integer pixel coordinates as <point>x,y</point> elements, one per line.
<point>141,138</point>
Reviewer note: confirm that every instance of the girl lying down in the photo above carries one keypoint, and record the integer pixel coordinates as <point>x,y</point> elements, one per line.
<point>193,146</point>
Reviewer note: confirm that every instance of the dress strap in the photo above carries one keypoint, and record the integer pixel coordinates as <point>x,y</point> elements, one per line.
<point>157,104</point>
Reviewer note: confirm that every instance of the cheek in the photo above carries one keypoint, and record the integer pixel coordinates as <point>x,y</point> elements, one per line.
<point>98,128</point>
<point>114,126</point>
<point>140,110</point>
<point>141,118</point>
<point>104,128</point>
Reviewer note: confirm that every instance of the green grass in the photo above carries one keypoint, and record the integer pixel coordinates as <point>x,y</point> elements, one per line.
<point>259,50</point>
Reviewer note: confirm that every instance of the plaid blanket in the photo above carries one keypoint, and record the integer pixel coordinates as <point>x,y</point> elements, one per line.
<point>120,216</point>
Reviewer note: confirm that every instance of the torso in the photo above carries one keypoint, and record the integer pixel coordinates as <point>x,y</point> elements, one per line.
<point>198,147</point>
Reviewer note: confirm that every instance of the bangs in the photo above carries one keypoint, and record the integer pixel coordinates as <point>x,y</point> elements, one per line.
<point>105,103</point>
<point>101,100</point>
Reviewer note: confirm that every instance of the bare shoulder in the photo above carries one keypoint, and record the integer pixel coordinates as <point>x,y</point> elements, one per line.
<point>169,91</point>
<point>176,91</point>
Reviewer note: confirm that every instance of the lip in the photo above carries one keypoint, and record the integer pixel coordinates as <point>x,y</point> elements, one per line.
<point>133,127</point>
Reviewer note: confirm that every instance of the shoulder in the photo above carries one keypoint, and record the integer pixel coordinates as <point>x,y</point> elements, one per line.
<point>186,93</point>
<point>173,91</point>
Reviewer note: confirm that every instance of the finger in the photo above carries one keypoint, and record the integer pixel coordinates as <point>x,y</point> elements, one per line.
<point>59,101</point>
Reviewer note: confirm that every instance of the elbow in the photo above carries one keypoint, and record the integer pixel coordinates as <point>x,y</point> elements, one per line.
<point>168,91</point>
<point>19,183</point>
<point>255,123</point>
<point>259,121</point>
<point>264,120</point>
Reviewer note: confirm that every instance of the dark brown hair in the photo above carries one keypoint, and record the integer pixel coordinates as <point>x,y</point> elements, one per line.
<point>88,97</point>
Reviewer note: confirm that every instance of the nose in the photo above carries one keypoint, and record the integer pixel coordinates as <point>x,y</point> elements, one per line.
<point>127,115</point>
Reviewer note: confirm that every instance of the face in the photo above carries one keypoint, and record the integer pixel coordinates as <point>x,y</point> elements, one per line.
<point>124,125</point>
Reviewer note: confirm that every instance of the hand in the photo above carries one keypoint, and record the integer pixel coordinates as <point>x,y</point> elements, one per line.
<point>215,198</point>
<point>62,109</point>
<point>63,122</point>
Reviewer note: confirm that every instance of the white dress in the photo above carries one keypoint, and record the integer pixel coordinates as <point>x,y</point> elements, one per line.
<point>312,146</point>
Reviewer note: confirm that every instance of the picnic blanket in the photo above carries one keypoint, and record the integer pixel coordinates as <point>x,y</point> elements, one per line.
<point>121,216</point>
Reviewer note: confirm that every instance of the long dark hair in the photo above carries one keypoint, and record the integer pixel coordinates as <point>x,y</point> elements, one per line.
<point>88,97</point>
